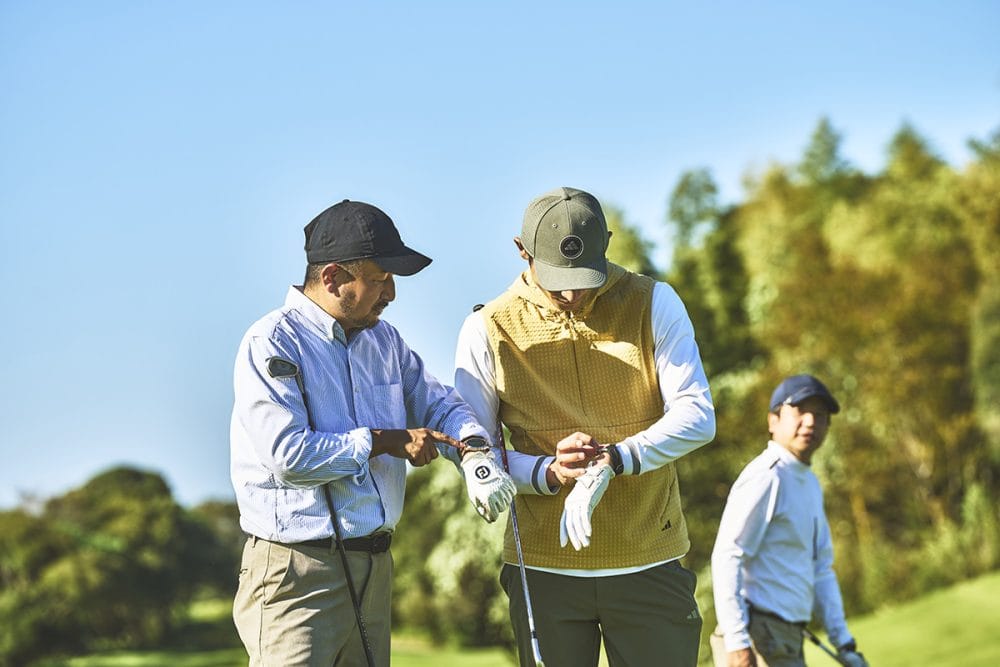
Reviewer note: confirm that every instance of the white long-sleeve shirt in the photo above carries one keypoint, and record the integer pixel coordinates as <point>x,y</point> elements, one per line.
<point>282,455</point>
<point>688,420</point>
<point>774,551</point>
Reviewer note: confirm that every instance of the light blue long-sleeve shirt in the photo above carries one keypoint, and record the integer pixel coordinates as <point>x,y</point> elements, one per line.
<point>774,550</point>
<point>281,456</point>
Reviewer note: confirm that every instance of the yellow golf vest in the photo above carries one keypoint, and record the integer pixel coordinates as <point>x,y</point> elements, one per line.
<point>593,371</point>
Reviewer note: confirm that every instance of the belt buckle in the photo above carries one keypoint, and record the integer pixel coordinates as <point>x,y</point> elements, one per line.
<point>380,542</point>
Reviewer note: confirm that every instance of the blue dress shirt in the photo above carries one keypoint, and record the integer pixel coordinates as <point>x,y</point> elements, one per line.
<point>282,455</point>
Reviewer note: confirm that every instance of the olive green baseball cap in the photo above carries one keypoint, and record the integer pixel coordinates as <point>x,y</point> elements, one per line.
<point>566,235</point>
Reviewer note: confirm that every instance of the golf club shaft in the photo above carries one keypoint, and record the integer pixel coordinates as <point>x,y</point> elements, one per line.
<point>535,649</point>
<point>350,582</point>
<point>816,640</point>
<point>340,542</point>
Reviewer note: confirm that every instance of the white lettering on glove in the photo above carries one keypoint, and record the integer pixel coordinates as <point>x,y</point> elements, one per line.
<point>852,659</point>
<point>490,488</point>
<point>574,526</point>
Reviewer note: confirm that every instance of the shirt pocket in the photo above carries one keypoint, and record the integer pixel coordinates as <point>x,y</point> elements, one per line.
<point>387,407</point>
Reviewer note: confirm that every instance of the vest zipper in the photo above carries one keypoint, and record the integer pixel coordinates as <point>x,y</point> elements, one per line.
<point>571,325</point>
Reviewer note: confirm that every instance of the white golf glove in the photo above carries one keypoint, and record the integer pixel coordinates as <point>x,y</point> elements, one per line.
<point>852,659</point>
<point>490,488</point>
<point>574,526</point>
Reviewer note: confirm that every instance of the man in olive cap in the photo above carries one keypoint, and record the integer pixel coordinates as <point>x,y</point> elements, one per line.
<point>595,371</point>
<point>330,405</point>
<point>772,566</point>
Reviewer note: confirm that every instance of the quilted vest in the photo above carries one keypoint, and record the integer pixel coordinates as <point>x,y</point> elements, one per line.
<point>591,371</point>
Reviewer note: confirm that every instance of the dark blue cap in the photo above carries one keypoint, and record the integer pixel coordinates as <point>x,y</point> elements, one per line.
<point>797,388</point>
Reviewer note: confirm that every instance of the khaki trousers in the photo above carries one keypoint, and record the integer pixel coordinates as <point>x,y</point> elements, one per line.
<point>646,619</point>
<point>293,607</point>
<point>775,643</point>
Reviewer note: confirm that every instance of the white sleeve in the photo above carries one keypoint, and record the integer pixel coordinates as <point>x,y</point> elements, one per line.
<point>828,605</point>
<point>688,420</point>
<point>475,380</point>
<point>749,509</point>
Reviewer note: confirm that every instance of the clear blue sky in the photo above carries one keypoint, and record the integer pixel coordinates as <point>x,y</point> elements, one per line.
<point>158,161</point>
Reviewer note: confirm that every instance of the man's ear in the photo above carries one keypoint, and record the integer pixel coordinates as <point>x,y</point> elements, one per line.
<point>333,276</point>
<point>772,422</point>
<point>520,249</point>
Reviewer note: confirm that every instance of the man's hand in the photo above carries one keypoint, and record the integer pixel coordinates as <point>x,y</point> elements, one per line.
<point>574,525</point>
<point>851,659</point>
<point>742,658</point>
<point>490,488</point>
<point>573,454</point>
<point>416,445</point>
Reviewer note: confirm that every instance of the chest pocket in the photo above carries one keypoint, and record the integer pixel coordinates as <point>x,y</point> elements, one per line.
<point>386,407</point>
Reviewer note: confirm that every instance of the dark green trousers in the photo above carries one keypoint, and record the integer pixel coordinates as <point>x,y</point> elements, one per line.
<point>646,619</point>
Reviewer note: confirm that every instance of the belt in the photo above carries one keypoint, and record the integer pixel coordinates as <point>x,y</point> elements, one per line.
<point>375,543</point>
<point>757,611</point>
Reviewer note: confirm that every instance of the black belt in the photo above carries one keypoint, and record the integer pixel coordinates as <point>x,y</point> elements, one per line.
<point>770,614</point>
<point>375,543</point>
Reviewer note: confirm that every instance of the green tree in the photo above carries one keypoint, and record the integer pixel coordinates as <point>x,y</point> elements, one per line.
<point>111,564</point>
<point>979,208</point>
<point>447,563</point>
<point>628,248</point>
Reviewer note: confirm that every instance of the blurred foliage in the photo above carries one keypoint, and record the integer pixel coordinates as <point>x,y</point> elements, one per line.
<point>109,565</point>
<point>448,563</point>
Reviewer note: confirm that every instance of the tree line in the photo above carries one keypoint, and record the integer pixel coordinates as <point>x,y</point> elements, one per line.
<point>885,285</point>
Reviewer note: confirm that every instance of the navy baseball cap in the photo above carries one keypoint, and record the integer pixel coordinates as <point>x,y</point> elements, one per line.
<point>797,388</point>
<point>355,230</point>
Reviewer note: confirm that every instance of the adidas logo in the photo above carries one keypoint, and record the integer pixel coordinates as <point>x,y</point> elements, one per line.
<point>694,615</point>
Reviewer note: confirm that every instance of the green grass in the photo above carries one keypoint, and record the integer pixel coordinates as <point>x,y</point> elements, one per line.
<point>406,652</point>
<point>956,627</point>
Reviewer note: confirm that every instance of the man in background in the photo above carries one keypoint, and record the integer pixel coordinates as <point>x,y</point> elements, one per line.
<point>772,566</point>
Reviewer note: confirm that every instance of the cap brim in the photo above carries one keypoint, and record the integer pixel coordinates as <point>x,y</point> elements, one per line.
<point>803,394</point>
<point>559,278</point>
<point>405,264</point>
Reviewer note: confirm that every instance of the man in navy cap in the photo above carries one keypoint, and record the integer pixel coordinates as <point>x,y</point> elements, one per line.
<point>330,405</point>
<point>772,566</point>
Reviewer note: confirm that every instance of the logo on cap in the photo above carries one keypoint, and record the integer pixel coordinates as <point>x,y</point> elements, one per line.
<point>571,247</point>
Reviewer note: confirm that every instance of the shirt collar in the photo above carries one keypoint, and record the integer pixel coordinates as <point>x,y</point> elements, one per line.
<point>786,456</point>
<point>315,315</point>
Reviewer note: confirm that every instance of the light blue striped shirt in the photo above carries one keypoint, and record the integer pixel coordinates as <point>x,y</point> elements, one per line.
<point>281,457</point>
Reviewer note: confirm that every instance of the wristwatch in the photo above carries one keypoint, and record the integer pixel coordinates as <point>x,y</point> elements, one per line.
<point>475,444</point>
<point>617,465</point>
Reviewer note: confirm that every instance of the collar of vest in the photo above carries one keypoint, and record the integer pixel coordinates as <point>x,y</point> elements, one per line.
<point>526,288</point>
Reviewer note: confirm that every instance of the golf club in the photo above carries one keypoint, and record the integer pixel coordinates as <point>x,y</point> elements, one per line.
<point>536,651</point>
<point>279,367</point>
<point>816,640</point>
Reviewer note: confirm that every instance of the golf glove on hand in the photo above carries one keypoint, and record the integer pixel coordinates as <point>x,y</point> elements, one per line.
<point>490,488</point>
<point>574,526</point>
<point>852,659</point>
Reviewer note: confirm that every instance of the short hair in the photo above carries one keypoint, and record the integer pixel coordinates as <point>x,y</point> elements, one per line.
<point>314,270</point>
